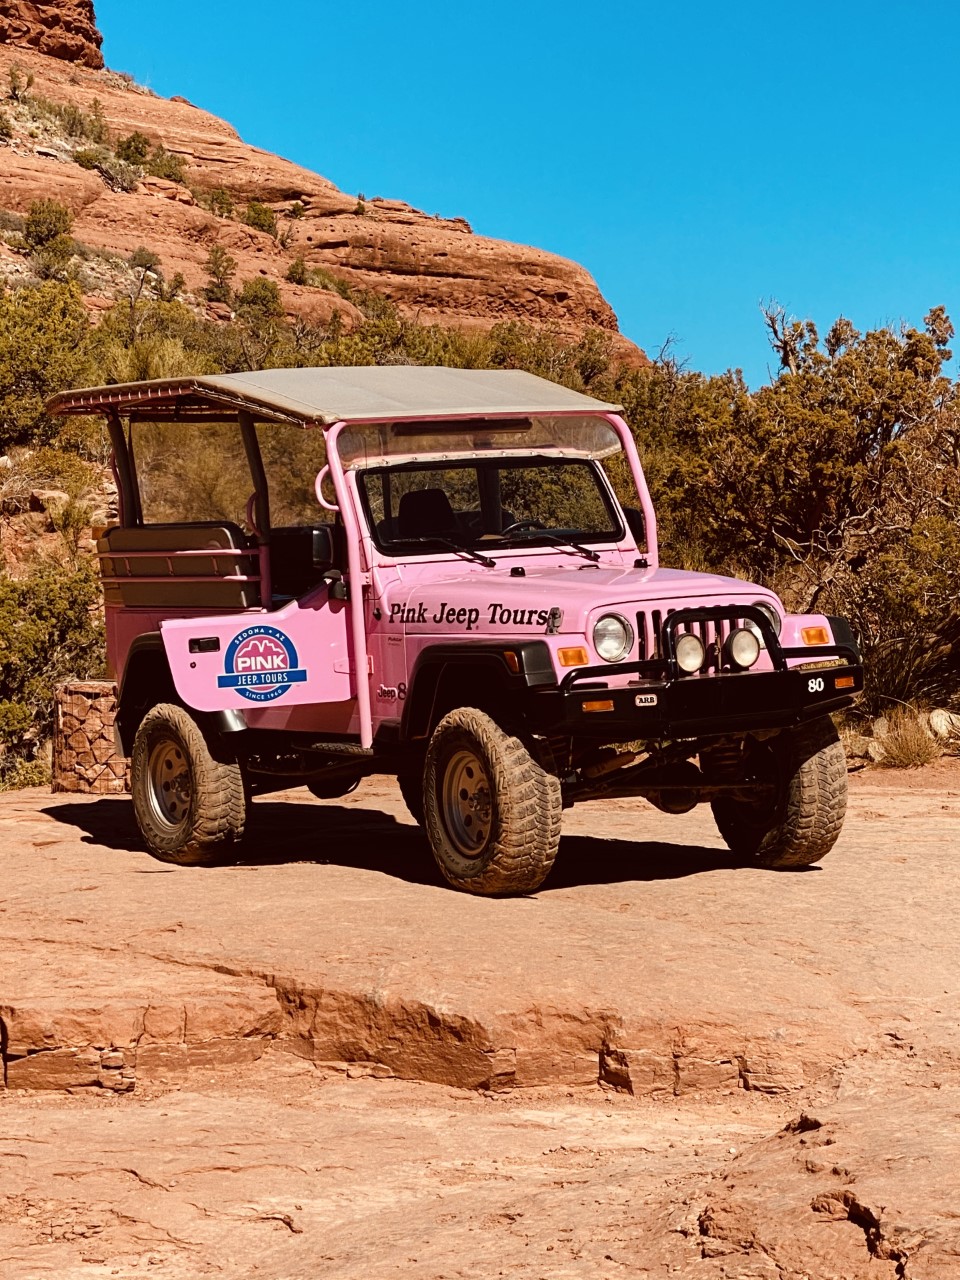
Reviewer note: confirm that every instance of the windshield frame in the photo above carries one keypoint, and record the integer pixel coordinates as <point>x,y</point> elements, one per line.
<point>402,549</point>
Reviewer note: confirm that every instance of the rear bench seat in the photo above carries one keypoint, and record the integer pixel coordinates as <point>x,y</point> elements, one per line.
<point>146,566</point>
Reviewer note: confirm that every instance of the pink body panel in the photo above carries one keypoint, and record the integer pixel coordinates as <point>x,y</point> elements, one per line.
<point>300,654</point>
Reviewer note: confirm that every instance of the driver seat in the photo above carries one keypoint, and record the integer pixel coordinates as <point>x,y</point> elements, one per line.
<point>425,511</point>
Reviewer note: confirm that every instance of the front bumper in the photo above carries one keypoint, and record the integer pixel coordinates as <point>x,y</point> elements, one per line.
<point>662,703</point>
<point>701,706</point>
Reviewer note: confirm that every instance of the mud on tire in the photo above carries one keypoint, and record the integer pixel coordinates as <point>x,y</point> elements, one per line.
<point>800,823</point>
<point>190,806</point>
<point>491,812</point>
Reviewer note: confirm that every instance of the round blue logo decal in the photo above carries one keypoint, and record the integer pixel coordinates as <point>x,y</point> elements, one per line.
<point>261,664</point>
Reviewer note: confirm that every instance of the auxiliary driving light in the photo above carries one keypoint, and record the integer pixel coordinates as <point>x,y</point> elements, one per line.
<point>743,647</point>
<point>690,652</point>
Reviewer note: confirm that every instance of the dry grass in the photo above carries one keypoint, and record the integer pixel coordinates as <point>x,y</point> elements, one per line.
<point>908,742</point>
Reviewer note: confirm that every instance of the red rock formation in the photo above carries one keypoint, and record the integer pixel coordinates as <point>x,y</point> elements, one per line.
<point>66,29</point>
<point>434,269</point>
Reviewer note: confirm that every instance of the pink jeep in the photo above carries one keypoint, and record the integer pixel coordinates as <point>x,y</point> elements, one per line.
<point>457,598</point>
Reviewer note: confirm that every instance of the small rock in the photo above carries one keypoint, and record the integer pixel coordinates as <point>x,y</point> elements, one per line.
<point>945,724</point>
<point>857,745</point>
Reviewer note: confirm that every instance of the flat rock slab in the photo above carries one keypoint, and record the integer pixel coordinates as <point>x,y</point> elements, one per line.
<point>296,1174</point>
<point>647,960</point>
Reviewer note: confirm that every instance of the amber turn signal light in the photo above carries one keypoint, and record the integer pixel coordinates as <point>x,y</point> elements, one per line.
<point>844,682</point>
<point>600,704</point>
<point>573,657</point>
<point>815,635</point>
<point>512,661</point>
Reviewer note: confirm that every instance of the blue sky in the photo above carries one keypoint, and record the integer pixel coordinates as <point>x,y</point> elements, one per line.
<point>696,158</point>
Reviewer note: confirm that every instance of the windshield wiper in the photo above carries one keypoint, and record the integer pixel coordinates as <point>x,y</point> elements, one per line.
<point>559,541</point>
<point>437,540</point>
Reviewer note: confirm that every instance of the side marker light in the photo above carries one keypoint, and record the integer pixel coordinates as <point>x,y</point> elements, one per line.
<point>572,657</point>
<point>815,635</point>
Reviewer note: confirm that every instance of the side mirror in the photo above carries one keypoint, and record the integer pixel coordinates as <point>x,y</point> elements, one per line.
<point>635,524</point>
<point>322,546</point>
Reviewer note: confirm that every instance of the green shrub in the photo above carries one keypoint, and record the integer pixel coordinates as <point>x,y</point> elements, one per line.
<point>297,272</point>
<point>75,123</point>
<point>261,217</point>
<point>165,164</point>
<point>222,267</point>
<point>50,631</point>
<point>17,772</point>
<point>6,128</point>
<point>44,337</point>
<point>89,157</point>
<point>51,260</point>
<point>260,299</point>
<point>47,221</point>
<point>97,130</point>
<point>221,203</point>
<point>133,149</point>
<point>48,467</point>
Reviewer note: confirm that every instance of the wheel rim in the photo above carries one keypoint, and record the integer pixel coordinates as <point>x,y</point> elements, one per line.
<point>467,803</point>
<point>170,787</point>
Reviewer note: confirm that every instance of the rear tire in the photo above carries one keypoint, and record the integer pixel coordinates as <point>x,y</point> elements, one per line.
<point>799,823</point>
<point>491,812</point>
<point>190,807</point>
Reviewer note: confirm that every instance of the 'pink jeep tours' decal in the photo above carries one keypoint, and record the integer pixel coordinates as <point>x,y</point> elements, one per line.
<point>261,664</point>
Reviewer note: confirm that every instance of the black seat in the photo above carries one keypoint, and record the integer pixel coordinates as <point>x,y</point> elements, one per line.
<point>425,511</point>
<point>294,566</point>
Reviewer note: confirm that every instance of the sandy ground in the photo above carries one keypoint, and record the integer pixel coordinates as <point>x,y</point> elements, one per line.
<point>321,1062</point>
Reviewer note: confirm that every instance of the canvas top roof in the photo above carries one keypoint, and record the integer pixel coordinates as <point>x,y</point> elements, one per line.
<point>324,396</point>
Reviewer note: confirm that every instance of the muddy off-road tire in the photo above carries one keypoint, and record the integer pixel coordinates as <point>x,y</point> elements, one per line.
<point>410,782</point>
<point>189,806</point>
<point>491,812</point>
<point>799,823</point>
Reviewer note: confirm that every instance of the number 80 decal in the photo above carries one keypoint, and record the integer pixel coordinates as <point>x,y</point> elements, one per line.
<point>815,685</point>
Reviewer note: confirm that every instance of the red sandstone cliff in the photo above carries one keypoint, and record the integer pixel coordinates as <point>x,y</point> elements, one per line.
<point>67,29</point>
<point>434,269</point>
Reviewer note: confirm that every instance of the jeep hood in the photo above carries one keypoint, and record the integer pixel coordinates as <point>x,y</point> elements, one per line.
<point>482,601</point>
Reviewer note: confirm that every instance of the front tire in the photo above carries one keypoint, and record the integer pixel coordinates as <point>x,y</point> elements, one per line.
<point>491,812</point>
<point>190,807</point>
<point>410,783</point>
<point>798,822</point>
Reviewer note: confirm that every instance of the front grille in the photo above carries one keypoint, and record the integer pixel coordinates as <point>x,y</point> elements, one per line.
<point>713,634</point>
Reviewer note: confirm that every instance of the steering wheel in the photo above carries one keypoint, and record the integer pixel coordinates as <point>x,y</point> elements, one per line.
<point>523,524</point>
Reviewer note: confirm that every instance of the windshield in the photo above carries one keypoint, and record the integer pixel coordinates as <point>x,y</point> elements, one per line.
<point>422,507</point>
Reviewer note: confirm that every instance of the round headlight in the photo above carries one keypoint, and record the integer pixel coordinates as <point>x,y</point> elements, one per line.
<point>743,647</point>
<point>690,652</point>
<point>613,637</point>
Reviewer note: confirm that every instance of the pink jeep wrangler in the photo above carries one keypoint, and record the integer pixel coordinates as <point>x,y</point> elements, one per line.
<point>433,578</point>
